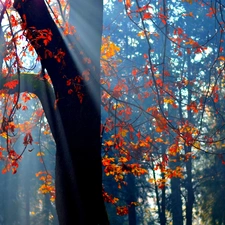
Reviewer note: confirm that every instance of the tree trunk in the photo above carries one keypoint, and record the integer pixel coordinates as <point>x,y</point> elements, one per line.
<point>176,202</point>
<point>163,204</point>
<point>77,133</point>
<point>131,192</point>
<point>189,186</point>
<point>189,183</point>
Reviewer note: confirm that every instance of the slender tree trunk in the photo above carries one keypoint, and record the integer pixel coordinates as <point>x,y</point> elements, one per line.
<point>188,149</point>
<point>176,202</point>
<point>77,135</point>
<point>159,204</point>
<point>131,191</point>
<point>163,205</point>
<point>176,195</point>
<point>189,187</point>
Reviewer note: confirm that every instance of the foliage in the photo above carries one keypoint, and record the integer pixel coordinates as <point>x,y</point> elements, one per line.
<point>162,81</point>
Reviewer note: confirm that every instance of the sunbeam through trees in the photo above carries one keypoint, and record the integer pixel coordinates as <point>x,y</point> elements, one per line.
<point>112,112</point>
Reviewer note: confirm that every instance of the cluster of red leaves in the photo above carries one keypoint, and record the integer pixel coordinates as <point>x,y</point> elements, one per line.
<point>122,210</point>
<point>11,84</point>
<point>109,198</point>
<point>11,161</point>
<point>39,36</point>
<point>28,139</point>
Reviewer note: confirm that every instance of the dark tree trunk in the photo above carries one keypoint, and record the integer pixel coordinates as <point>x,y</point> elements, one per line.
<point>189,183</point>
<point>189,186</point>
<point>77,133</point>
<point>176,195</point>
<point>176,202</point>
<point>163,205</point>
<point>131,191</point>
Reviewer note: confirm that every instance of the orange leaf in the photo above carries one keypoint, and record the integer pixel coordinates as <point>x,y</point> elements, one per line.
<point>4,170</point>
<point>128,3</point>
<point>222,58</point>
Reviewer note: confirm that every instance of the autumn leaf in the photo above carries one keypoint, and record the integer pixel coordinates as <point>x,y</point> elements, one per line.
<point>28,139</point>
<point>138,134</point>
<point>40,154</point>
<point>13,21</point>
<point>147,16</point>
<point>188,1</point>
<point>121,210</point>
<point>193,106</point>
<point>128,3</point>
<point>124,132</point>
<point>108,48</point>
<point>107,161</point>
<point>134,72</point>
<point>159,140</point>
<point>123,159</point>
<point>163,18</point>
<point>11,84</point>
<point>109,198</point>
<point>4,170</point>
<point>4,135</point>
<point>212,11</point>
<point>145,56</point>
<point>197,145</point>
<point>109,143</point>
<point>168,100</point>
<point>141,34</point>
<point>222,58</point>
<point>174,149</point>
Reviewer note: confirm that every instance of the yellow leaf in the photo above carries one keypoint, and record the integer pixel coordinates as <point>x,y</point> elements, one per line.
<point>168,101</point>
<point>40,154</point>
<point>124,132</point>
<point>141,34</point>
<point>151,180</point>
<point>188,1</point>
<point>4,135</point>
<point>108,48</point>
<point>117,106</point>
<point>218,144</point>
<point>197,145</point>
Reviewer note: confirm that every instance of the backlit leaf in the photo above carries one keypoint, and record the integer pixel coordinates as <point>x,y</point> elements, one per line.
<point>11,84</point>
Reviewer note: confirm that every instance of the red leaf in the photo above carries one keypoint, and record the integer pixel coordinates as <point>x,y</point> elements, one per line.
<point>28,139</point>
<point>134,72</point>
<point>147,16</point>
<point>11,84</point>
